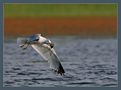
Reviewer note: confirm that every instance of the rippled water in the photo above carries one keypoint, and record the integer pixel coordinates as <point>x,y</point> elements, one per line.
<point>87,62</point>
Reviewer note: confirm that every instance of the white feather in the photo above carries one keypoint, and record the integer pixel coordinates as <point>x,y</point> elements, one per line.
<point>48,54</point>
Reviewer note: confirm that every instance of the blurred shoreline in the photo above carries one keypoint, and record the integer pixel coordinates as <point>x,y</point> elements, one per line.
<point>81,26</point>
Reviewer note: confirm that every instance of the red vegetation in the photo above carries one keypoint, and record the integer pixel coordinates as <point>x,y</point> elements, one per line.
<point>83,26</point>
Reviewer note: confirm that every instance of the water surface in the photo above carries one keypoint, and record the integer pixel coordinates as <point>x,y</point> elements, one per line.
<point>87,63</point>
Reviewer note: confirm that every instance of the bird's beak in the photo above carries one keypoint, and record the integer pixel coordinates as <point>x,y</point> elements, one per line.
<point>51,45</point>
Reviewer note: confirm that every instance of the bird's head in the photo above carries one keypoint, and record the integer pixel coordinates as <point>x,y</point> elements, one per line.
<point>33,39</point>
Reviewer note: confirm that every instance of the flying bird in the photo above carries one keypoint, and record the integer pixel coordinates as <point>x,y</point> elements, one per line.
<point>45,48</point>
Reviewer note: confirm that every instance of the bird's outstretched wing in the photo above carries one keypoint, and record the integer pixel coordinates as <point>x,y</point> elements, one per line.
<point>50,55</point>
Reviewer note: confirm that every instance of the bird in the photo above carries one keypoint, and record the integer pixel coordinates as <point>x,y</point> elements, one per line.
<point>45,48</point>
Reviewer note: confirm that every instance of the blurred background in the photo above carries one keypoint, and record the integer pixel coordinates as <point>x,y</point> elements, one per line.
<point>84,37</point>
<point>86,20</point>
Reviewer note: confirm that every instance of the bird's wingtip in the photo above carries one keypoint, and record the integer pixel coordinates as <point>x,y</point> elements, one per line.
<point>60,71</point>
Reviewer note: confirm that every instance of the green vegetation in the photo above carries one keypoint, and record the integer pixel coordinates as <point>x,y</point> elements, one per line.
<point>55,10</point>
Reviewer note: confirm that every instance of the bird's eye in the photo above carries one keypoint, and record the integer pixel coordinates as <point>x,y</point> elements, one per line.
<point>36,39</point>
<point>33,38</point>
